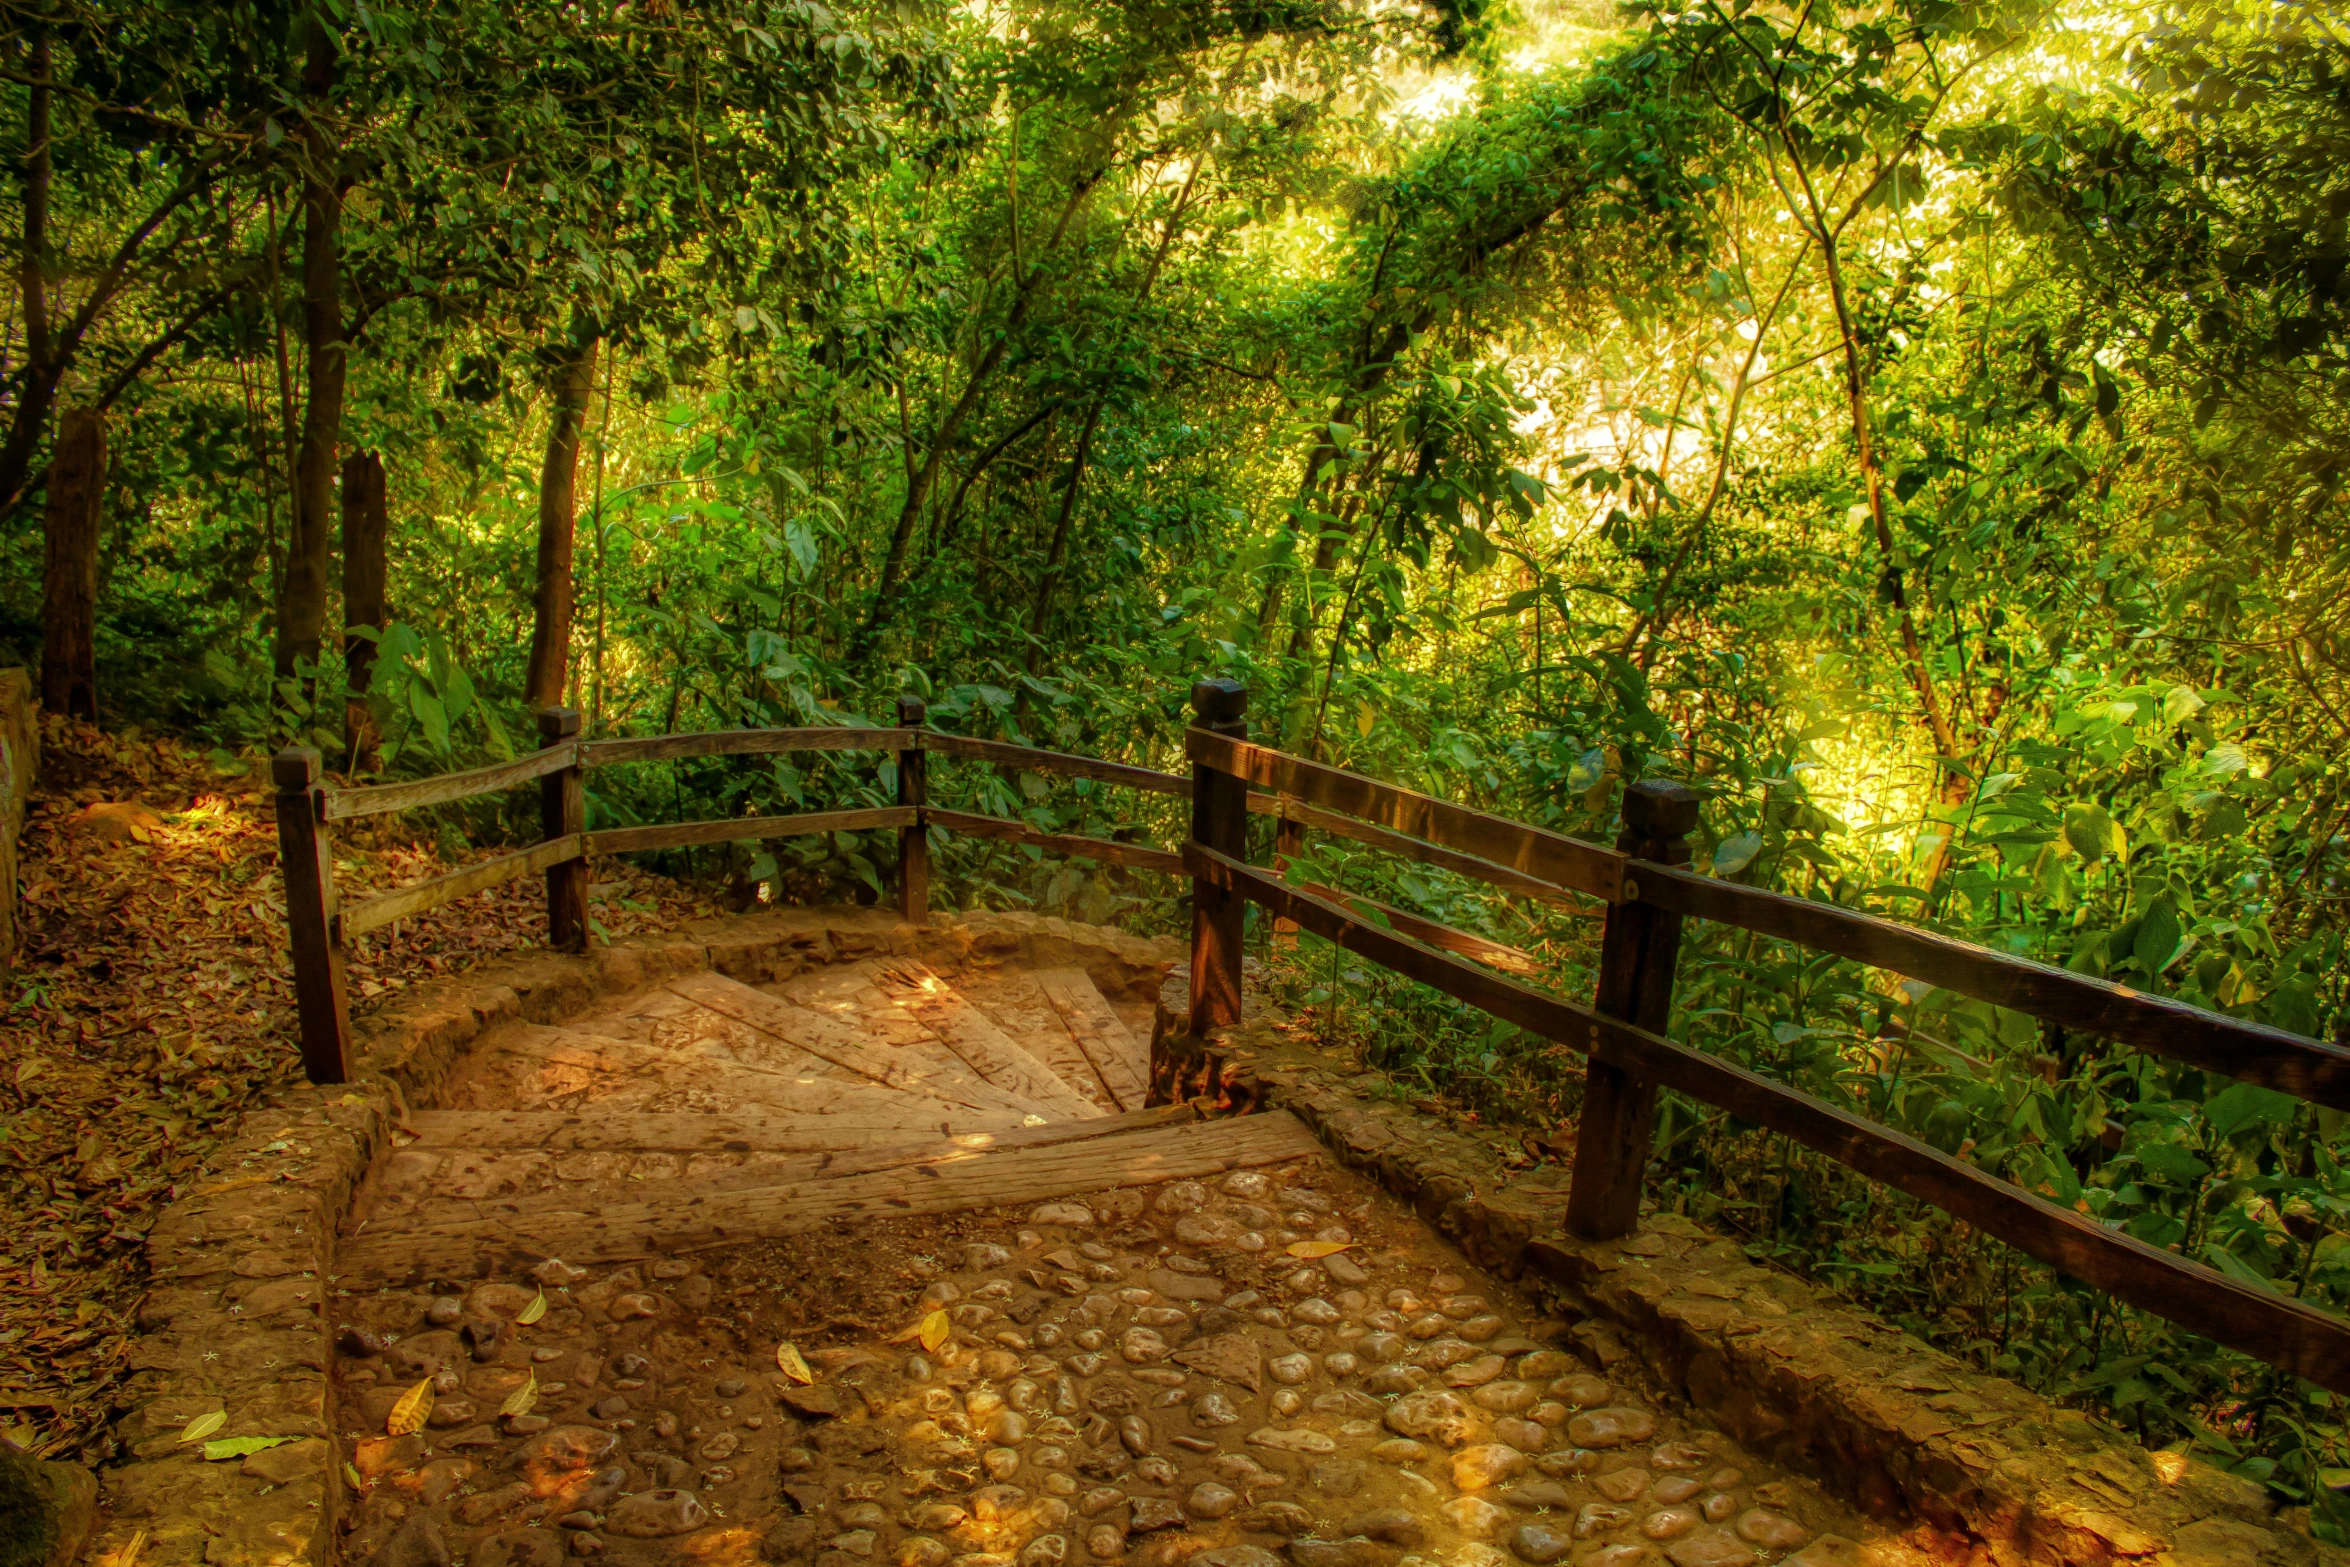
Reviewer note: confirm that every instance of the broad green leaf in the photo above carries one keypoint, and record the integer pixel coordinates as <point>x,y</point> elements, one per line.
<point>203,1426</point>
<point>2241,1106</point>
<point>1734,854</point>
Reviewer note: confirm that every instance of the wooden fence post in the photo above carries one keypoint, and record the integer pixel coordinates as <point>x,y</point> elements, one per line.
<point>314,930</point>
<point>914,840</point>
<point>1617,1130</point>
<point>1219,821</point>
<point>563,810</point>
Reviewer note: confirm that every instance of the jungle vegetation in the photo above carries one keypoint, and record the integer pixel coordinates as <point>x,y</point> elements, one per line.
<point>1920,424</point>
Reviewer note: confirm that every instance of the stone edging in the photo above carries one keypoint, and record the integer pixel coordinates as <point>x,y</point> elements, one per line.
<point>238,1266</point>
<point>1992,1472</point>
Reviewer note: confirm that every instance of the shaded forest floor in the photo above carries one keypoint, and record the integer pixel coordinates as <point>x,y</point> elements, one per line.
<point>152,1007</point>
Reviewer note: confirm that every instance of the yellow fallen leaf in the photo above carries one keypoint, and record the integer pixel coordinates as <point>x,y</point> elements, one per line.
<point>793,1365</point>
<point>413,1409</point>
<point>937,1328</point>
<point>204,1425</point>
<point>1311,1249</point>
<point>352,1478</point>
<point>535,1310</point>
<point>519,1401</point>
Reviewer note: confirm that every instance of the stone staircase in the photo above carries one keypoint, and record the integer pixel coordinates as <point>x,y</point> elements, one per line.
<point>704,1109</point>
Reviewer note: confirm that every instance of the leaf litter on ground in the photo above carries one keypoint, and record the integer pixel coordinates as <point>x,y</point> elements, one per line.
<point>151,1007</point>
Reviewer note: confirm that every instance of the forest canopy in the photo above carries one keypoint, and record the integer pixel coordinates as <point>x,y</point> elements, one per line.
<point>1920,425</point>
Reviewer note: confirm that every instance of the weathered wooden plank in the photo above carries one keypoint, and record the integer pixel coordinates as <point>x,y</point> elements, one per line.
<point>1491,953</point>
<point>2287,1333</point>
<point>684,1219</point>
<point>1028,757</point>
<point>1077,844</point>
<point>1516,883</point>
<point>1546,856</point>
<point>686,1131</point>
<point>2253,1052</point>
<point>745,829</point>
<point>910,1068</point>
<point>1119,1061</point>
<point>743,742</point>
<point>522,1188</point>
<point>380,911</point>
<point>1011,997</point>
<point>343,804</point>
<point>973,1036</point>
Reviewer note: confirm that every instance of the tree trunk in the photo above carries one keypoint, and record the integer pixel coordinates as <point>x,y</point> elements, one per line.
<point>301,613</point>
<point>365,523</point>
<point>573,383</point>
<point>69,593</point>
<point>31,419</point>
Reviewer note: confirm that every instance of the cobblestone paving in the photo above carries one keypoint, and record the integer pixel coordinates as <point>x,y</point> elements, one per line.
<point>1148,1376</point>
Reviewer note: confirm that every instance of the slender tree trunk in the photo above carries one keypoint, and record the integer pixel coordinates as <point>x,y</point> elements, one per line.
<point>1050,579</point>
<point>69,593</point>
<point>365,523</point>
<point>1954,787</point>
<point>301,615</point>
<point>924,477</point>
<point>1059,546</point>
<point>41,370</point>
<point>573,384</point>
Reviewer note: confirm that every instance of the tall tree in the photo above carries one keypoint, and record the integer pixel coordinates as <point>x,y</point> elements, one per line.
<point>301,618</point>
<point>570,382</point>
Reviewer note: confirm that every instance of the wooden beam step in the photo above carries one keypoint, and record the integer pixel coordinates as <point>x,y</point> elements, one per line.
<point>682,1131</point>
<point>686,1218</point>
<point>520,1188</point>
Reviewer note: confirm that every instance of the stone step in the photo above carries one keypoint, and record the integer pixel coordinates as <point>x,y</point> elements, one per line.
<point>681,1215</point>
<point>576,1070</point>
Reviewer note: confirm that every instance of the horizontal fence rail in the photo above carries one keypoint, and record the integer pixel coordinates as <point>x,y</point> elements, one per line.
<point>2286,1333</point>
<point>2252,1052</point>
<point>1547,857</point>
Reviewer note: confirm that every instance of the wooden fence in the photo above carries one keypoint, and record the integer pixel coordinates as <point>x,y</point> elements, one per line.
<point>1641,882</point>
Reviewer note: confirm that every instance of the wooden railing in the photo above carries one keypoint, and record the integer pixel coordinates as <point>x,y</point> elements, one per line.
<point>1642,884</point>
<point>307,804</point>
<point>1621,1035</point>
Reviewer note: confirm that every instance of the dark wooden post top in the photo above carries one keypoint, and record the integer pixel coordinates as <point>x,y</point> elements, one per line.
<point>912,712</point>
<point>1218,701</point>
<point>296,768</point>
<point>557,724</point>
<point>1659,816</point>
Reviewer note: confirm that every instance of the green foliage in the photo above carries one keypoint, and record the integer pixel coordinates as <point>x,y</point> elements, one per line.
<point>1919,427</point>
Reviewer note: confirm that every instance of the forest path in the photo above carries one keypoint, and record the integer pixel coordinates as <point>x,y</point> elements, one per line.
<point>888,1262</point>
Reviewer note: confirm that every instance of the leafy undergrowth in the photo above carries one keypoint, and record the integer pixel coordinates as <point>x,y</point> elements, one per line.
<point>152,1006</point>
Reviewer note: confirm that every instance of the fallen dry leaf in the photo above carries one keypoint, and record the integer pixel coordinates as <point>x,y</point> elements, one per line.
<point>412,1411</point>
<point>1312,1249</point>
<point>788,1358</point>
